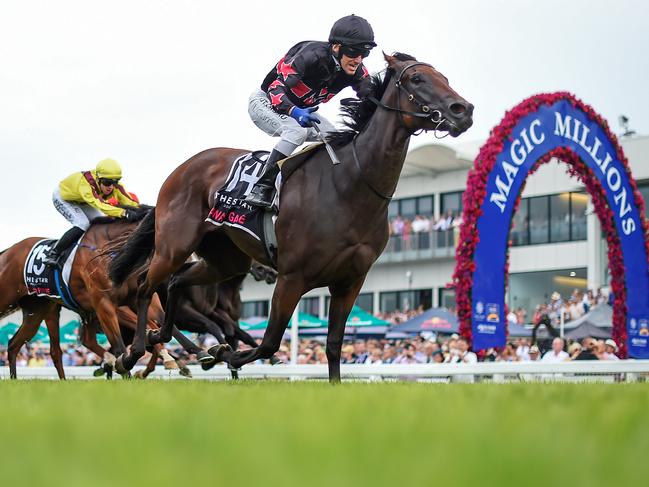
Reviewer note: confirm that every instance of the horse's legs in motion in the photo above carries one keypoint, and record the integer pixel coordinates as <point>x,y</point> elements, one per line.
<point>342,301</point>
<point>199,272</point>
<point>33,313</point>
<point>286,296</point>
<point>88,338</point>
<point>106,313</point>
<point>53,330</point>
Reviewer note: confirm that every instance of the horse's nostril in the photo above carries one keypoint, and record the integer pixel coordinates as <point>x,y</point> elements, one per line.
<point>458,108</point>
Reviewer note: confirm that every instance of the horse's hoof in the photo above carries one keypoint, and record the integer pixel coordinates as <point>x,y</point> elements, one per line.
<point>99,372</point>
<point>119,366</point>
<point>203,356</point>
<point>139,374</point>
<point>274,360</point>
<point>185,372</point>
<point>217,351</point>
<point>209,365</point>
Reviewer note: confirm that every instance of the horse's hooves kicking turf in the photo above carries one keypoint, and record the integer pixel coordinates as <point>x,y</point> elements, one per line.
<point>217,351</point>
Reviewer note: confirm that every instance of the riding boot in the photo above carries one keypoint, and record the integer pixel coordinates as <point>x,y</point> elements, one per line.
<point>263,192</point>
<point>54,255</point>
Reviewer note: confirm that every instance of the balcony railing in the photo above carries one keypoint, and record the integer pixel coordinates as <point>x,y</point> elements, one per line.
<point>434,244</point>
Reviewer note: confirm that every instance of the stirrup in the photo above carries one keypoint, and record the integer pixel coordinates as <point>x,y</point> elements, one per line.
<point>52,260</point>
<point>261,196</point>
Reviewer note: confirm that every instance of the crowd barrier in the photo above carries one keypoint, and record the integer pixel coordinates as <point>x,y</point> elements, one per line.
<point>578,371</point>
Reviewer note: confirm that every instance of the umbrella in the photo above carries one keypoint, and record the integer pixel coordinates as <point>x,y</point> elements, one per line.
<point>6,332</point>
<point>360,317</point>
<point>588,330</point>
<point>439,320</point>
<point>517,330</point>
<point>600,316</point>
<point>69,332</point>
<point>252,322</point>
<point>305,320</point>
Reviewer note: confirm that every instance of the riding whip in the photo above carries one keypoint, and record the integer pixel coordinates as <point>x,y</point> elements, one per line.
<point>330,149</point>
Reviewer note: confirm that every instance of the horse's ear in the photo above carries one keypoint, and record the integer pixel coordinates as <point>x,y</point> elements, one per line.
<point>391,60</point>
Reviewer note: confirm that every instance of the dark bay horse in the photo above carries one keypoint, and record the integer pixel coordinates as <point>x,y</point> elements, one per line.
<point>333,222</point>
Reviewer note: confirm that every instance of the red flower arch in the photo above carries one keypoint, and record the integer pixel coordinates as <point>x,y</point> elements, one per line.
<point>476,192</point>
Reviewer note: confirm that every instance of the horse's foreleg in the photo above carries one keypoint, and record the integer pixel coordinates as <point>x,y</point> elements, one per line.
<point>52,323</point>
<point>198,273</point>
<point>286,296</point>
<point>342,301</point>
<point>31,321</point>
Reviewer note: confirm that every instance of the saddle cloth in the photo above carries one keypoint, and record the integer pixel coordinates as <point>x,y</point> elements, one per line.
<point>230,208</point>
<point>45,280</point>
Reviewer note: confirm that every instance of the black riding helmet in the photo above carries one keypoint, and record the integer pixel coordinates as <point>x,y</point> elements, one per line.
<point>352,31</point>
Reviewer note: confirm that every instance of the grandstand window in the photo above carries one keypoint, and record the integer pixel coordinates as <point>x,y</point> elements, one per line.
<point>549,219</point>
<point>365,301</point>
<point>425,205</point>
<point>447,298</point>
<point>520,232</point>
<point>405,300</point>
<point>578,205</point>
<point>408,207</point>
<point>310,306</point>
<point>255,308</point>
<point>539,220</point>
<point>560,217</point>
<point>452,201</point>
<point>393,208</point>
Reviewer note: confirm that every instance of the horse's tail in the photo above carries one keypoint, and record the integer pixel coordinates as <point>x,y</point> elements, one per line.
<point>134,253</point>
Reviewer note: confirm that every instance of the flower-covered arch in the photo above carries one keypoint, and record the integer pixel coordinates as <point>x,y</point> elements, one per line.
<point>543,127</point>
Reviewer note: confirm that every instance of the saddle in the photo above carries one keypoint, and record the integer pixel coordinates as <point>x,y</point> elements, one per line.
<point>50,281</point>
<point>230,208</point>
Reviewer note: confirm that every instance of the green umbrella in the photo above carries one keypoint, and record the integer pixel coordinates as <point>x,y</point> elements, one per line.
<point>69,333</point>
<point>305,320</point>
<point>360,317</point>
<point>6,332</point>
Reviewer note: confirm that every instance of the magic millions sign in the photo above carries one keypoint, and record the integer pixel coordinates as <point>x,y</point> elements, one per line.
<point>539,129</point>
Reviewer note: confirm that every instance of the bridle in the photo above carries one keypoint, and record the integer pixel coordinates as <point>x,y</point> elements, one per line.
<point>434,114</point>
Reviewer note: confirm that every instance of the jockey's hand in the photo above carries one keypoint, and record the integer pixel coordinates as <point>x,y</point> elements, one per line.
<point>130,215</point>
<point>304,116</point>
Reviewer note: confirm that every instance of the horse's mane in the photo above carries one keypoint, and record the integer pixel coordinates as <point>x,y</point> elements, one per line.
<point>357,113</point>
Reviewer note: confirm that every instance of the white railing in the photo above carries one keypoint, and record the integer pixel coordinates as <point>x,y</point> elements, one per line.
<point>627,370</point>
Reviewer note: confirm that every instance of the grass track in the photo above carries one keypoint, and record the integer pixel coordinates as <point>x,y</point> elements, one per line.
<point>289,434</point>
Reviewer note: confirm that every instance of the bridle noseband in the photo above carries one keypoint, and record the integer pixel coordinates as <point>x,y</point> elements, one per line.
<point>434,114</point>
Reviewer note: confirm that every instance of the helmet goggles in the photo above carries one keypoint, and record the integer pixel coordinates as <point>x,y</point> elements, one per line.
<point>108,181</point>
<point>354,51</point>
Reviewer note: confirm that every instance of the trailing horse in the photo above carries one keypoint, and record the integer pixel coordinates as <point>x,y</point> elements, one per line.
<point>332,224</point>
<point>88,284</point>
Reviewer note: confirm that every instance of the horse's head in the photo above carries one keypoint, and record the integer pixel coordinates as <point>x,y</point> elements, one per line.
<point>424,99</point>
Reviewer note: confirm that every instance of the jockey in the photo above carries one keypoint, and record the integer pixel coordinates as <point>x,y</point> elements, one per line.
<point>310,73</point>
<point>84,196</point>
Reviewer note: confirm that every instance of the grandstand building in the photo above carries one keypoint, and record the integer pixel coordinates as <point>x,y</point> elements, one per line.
<point>556,243</point>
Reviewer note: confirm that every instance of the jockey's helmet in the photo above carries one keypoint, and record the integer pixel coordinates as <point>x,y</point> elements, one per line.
<point>108,169</point>
<point>353,31</point>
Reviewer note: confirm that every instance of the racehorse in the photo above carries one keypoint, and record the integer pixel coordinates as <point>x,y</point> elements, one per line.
<point>89,285</point>
<point>333,221</point>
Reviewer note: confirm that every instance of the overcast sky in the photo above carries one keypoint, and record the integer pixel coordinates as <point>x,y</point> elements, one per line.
<point>150,83</point>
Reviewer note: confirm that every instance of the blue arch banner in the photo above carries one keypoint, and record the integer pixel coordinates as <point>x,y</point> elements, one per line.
<point>549,127</point>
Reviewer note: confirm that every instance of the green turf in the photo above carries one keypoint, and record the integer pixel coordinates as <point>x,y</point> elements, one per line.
<point>312,434</point>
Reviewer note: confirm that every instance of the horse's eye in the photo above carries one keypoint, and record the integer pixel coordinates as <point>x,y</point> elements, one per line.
<point>416,79</point>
